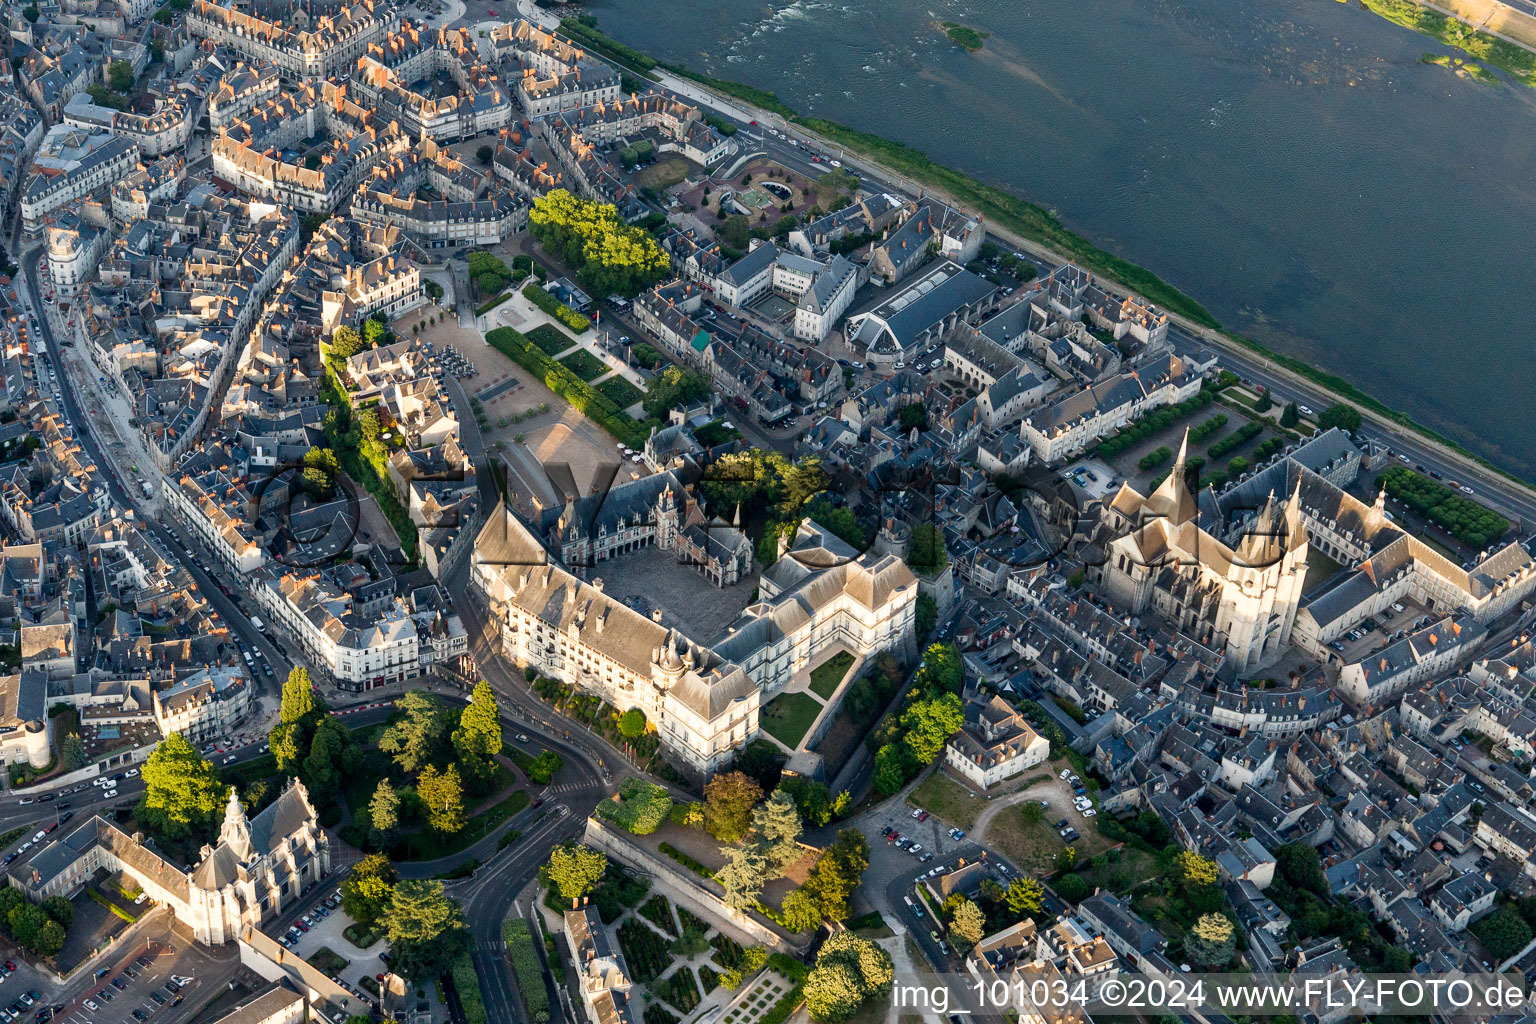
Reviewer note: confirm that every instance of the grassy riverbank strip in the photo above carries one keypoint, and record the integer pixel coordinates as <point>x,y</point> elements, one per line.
<point>1038,225</point>
<point>1515,60</point>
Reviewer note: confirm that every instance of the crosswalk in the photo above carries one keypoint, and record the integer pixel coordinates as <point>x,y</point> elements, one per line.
<point>563,787</point>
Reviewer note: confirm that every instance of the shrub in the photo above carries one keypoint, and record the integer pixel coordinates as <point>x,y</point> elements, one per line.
<point>1476,526</point>
<point>1235,440</point>
<point>525,965</point>
<point>1150,424</point>
<point>467,984</point>
<point>555,308</point>
<point>640,807</point>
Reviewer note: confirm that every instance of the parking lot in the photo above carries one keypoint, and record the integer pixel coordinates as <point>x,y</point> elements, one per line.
<point>318,937</point>
<point>159,977</point>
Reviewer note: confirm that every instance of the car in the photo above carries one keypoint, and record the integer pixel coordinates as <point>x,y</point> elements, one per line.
<point>521,737</point>
<point>140,898</point>
<point>50,828</point>
<point>303,926</point>
<point>92,1005</point>
<point>926,858</point>
<point>64,818</point>
<point>140,1015</point>
<point>110,793</point>
<point>1089,812</point>
<point>915,849</point>
<point>105,995</point>
<point>1066,773</point>
<point>1074,779</point>
<point>923,816</point>
<point>1062,823</point>
<point>103,973</point>
<point>903,843</point>
<point>885,831</point>
<point>26,800</point>
<point>1466,490</point>
<point>39,836</point>
<point>835,163</point>
<point>158,998</point>
<point>230,759</point>
<point>1064,832</point>
<point>119,984</point>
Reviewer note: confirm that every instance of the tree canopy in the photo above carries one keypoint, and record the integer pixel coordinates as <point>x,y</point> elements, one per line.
<point>183,796</point>
<point>849,970</point>
<point>1345,417</point>
<point>728,801</point>
<point>425,929</point>
<point>369,890</point>
<point>477,740</point>
<point>410,740</point>
<point>930,724</point>
<point>607,254</point>
<point>575,869</point>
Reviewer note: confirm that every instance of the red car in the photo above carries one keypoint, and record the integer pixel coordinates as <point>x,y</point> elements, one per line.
<point>752,123</point>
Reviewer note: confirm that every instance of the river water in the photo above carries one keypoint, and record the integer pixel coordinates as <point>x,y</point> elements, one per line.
<point>1289,163</point>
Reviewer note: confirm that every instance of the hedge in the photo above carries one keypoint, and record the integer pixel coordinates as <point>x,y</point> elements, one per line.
<point>585,399</point>
<point>1156,457</point>
<point>555,308</point>
<point>1475,525</point>
<point>525,965</point>
<point>486,307</point>
<point>641,807</point>
<point>1152,423</point>
<point>467,983</point>
<point>685,860</point>
<point>1201,431</point>
<point>1235,440</point>
<point>796,972</point>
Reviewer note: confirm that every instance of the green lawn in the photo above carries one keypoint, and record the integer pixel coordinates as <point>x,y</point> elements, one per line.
<point>947,800</point>
<point>551,339</point>
<point>623,393</point>
<point>584,365</point>
<point>826,676</point>
<point>429,845</point>
<point>327,961</point>
<point>787,717</point>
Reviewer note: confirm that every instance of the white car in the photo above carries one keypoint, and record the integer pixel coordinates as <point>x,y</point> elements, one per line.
<point>1089,812</point>
<point>131,772</point>
<point>109,794</point>
<point>1066,773</point>
<point>836,163</point>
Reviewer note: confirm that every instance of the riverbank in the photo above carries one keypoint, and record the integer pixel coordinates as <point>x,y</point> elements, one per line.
<point>1508,52</point>
<point>1028,226</point>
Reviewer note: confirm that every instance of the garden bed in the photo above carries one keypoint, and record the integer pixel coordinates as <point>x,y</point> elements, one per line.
<point>551,339</point>
<point>644,950</point>
<point>657,911</point>
<point>681,989</point>
<point>585,365</point>
<point>620,391</point>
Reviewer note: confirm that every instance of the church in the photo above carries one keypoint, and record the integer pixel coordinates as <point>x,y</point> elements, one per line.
<point>1236,584</point>
<point>258,866</point>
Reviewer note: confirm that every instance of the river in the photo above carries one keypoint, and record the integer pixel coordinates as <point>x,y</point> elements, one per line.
<point>1291,164</point>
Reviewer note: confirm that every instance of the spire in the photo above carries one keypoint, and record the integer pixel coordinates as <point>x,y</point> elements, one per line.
<point>236,830</point>
<point>1172,500</point>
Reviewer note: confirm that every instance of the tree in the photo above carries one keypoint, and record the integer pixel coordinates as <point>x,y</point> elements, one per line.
<point>1503,933</point>
<point>1301,867</point>
<point>346,342</point>
<point>183,796</point>
<point>544,767</point>
<point>1025,895</point>
<point>484,154</point>
<point>926,552</point>
<point>74,753</point>
<point>674,388</point>
<point>1290,416</point>
<point>384,813</point>
<point>575,870</point>
<point>1195,870</point>
<point>801,910</point>
<point>849,970</point>
<point>31,13</point>
<point>323,766</point>
<point>742,876</point>
<point>369,890</point>
<point>284,743</point>
<point>967,925</point>
<point>1211,941</point>
<point>838,872</point>
<point>120,76</point>
<point>1032,812</point>
<point>443,797</point>
<point>930,724</point>
<point>410,740</point>
<point>477,740</point>
<point>914,416</point>
<point>632,724</point>
<point>776,828</point>
<point>375,330</point>
<point>752,960</point>
<point>426,930</point>
<point>26,923</point>
<point>60,909</point>
<point>1345,417</point>
<point>894,765</point>
<point>812,799</point>
<point>942,668</point>
<point>1072,888</point>
<point>1264,402</point>
<point>50,939</point>
<point>1066,858</point>
<point>728,801</point>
